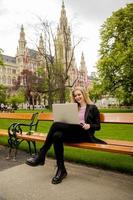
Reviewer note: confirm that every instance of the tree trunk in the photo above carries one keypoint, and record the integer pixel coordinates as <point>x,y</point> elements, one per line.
<point>50,97</point>
<point>62,93</point>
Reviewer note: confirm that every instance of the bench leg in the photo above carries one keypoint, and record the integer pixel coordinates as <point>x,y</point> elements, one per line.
<point>15,153</point>
<point>29,144</point>
<point>34,145</point>
<point>10,142</point>
<point>9,153</point>
<point>13,144</point>
<point>16,145</point>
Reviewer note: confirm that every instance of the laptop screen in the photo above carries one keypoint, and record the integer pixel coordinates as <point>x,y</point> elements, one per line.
<point>66,112</point>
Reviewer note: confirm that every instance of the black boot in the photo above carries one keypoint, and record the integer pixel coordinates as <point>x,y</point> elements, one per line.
<point>60,175</point>
<point>35,161</point>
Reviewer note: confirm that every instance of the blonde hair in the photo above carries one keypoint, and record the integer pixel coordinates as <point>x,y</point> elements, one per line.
<point>83,91</point>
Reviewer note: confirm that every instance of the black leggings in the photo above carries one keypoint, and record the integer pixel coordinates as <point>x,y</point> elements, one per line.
<point>62,132</point>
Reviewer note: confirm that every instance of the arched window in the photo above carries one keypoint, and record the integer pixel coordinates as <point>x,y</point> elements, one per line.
<point>14,80</point>
<point>3,70</point>
<point>9,71</point>
<point>4,79</point>
<point>14,71</point>
<point>9,80</point>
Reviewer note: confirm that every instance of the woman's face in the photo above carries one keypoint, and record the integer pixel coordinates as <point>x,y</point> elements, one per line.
<point>78,96</point>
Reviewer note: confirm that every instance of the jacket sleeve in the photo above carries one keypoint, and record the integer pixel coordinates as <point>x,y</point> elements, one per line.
<point>95,122</point>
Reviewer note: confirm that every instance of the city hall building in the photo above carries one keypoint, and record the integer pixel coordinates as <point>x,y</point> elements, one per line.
<point>29,59</point>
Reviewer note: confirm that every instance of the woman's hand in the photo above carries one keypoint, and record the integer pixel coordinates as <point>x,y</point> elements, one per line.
<point>85,126</point>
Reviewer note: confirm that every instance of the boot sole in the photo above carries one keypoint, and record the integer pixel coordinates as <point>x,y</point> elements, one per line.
<point>60,180</point>
<point>34,164</point>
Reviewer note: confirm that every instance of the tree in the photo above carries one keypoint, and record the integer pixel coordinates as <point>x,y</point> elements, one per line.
<point>115,66</point>
<point>29,81</point>
<point>17,98</point>
<point>1,60</point>
<point>56,67</point>
<point>3,94</point>
<point>96,91</point>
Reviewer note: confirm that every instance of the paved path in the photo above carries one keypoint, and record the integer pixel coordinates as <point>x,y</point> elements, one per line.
<point>83,183</point>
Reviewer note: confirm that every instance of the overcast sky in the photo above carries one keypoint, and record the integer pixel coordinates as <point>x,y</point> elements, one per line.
<point>85,18</point>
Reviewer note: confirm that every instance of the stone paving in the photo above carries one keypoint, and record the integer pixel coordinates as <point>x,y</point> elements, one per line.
<point>20,181</point>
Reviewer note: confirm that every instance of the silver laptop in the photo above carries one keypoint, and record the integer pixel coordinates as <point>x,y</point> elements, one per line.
<point>66,112</point>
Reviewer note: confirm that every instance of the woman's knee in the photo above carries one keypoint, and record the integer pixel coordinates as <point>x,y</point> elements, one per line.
<point>57,136</point>
<point>56,125</point>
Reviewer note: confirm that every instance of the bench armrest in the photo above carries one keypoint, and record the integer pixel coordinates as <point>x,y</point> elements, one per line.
<point>18,128</point>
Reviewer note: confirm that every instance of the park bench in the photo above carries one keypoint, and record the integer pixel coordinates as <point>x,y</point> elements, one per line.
<point>31,125</point>
<point>113,146</point>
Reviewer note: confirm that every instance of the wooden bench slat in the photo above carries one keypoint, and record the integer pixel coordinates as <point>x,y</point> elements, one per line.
<point>120,142</point>
<point>45,117</point>
<point>41,137</point>
<point>123,118</point>
<point>104,147</point>
<point>126,118</point>
<point>33,137</point>
<point>17,116</point>
<point>3,132</point>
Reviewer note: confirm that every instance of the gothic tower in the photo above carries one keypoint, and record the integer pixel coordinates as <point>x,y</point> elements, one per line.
<point>22,47</point>
<point>83,67</point>
<point>64,46</point>
<point>41,45</point>
<point>41,51</point>
<point>83,74</point>
<point>63,38</point>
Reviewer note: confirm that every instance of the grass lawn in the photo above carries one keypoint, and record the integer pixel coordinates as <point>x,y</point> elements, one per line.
<point>105,160</point>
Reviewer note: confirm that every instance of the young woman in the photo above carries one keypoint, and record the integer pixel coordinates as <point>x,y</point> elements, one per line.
<point>62,132</point>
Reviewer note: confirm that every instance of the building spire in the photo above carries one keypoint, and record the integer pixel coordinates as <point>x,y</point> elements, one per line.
<point>63,5</point>
<point>41,45</point>
<point>63,18</point>
<point>83,67</point>
<point>22,34</point>
<point>22,41</point>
